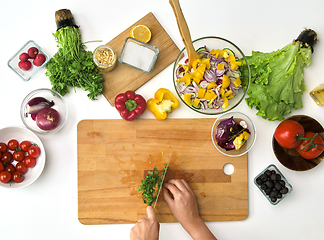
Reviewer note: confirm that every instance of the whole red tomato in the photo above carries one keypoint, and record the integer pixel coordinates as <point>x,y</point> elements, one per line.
<point>20,167</point>
<point>33,151</point>
<point>30,162</point>
<point>10,168</point>
<point>315,146</point>
<point>3,147</point>
<point>13,144</point>
<point>17,177</point>
<point>287,133</point>
<point>5,176</point>
<point>18,155</point>
<point>24,145</point>
<point>6,157</point>
<point>1,167</point>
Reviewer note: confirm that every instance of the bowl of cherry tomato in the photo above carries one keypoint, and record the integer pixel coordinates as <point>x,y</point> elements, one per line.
<point>298,142</point>
<point>22,157</point>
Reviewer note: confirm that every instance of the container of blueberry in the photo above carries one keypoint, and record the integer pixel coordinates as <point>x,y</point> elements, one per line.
<point>273,184</point>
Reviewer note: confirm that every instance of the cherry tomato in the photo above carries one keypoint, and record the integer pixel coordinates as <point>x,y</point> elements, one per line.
<point>33,151</point>
<point>21,167</point>
<point>30,162</point>
<point>311,152</point>
<point>5,176</point>
<point>3,147</point>
<point>287,132</point>
<point>18,156</point>
<point>1,167</point>
<point>13,144</point>
<point>24,145</point>
<point>6,157</point>
<point>10,168</point>
<point>17,177</point>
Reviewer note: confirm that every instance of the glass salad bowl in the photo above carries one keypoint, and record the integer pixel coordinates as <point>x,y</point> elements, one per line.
<point>203,90</point>
<point>246,145</point>
<point>49,119</point>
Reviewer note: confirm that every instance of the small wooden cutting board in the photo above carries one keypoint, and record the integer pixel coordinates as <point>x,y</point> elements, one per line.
<point>123,77</point>
<point>115,155</point>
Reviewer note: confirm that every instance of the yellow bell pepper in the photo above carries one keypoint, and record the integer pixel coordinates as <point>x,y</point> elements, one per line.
<point>209,95</point>
<point>164,102</point>
<point>201,93</point>
<point>186,79</point>
<point>187,98</point>
<point>196,102</point>
<point>211,85</point>
<point>237,82</point>
<point>226,81</point>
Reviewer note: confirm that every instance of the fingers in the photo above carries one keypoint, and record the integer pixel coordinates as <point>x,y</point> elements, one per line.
<point>150,213</point>
<point>181,184</point>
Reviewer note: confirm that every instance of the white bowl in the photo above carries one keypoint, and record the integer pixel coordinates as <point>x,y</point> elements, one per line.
<point>21,134</point>
<point>247,145</point>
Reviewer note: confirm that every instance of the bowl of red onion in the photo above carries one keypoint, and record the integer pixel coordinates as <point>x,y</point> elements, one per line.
<point>214,84</point>
<point>44,111</point>
<point>233,134</point>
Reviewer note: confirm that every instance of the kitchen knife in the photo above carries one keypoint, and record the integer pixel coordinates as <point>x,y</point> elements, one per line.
<point>166,169</point>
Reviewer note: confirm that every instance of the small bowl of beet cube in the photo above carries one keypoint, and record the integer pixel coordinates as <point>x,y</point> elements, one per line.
<point>273,184</point>
<point>28,60</point>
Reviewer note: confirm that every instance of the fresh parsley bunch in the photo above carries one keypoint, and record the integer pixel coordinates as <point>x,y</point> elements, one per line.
<point>72,65</point>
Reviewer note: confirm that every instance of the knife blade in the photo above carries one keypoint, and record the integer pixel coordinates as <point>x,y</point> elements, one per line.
<point>166,169</point>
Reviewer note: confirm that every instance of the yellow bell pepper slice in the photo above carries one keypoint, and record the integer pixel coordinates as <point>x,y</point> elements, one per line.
<point>220,66</point>
<point>164,102</point>
<point>201,93</point>
<point>237,82</point>
<point>211,85</point>
<point>186,79</point>
<point>187,98</point>
<point>209,95</point>
<point>196,102</point>
<point>225,104</point>
<point>226,81</point>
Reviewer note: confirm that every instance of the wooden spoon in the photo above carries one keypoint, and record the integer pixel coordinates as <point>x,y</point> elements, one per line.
<point>184,32</point>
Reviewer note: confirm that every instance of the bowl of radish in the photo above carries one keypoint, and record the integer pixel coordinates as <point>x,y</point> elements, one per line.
<point>44,111</point>
<point>213,84</point>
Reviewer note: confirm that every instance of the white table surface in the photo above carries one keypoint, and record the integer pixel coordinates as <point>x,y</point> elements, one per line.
<point>48,209</point>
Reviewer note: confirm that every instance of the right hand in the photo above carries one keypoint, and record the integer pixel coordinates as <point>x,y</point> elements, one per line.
<point>182,203</point>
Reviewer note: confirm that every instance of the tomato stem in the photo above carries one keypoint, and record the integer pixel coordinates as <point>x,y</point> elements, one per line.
<point>311,143</point>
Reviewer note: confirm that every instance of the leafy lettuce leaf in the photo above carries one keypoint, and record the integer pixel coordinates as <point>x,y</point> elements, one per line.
<point>277,82</point>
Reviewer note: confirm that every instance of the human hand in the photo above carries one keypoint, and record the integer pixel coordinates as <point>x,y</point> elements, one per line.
<point>146,228</point>
<point>182,203</point>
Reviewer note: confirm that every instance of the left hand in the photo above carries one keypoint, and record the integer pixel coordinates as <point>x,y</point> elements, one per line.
<point>146,228</point>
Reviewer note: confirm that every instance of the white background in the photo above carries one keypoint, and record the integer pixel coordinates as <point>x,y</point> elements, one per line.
<point>48,209</point>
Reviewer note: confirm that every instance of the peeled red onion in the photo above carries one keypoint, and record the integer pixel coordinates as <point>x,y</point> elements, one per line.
<point>48,119</point>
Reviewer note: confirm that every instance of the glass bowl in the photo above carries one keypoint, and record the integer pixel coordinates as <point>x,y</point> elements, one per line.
<point>211,43</point>
<point>139,55</point>
<point>21,134</point>
<point>264,176</point>
<point>50,95</point>
<point>249,142</point>
<point>14,60</point>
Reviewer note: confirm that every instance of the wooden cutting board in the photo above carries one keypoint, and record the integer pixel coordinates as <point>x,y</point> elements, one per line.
<point>123,77</point>
<point>115,155</point>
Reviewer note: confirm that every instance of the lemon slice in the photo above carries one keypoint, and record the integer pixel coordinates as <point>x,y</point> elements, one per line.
<point>141,32</point>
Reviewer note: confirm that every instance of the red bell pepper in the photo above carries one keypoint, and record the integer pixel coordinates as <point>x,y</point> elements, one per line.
<point>130,105</point>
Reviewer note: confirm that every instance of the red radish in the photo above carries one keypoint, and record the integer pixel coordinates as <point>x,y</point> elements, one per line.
<point>39,60</point>
<point>32,52</point>
<point>48,119</point>
<point>25,66</point>
<point>23,57</point>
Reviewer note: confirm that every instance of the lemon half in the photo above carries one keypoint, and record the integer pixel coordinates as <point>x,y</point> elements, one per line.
<point>141,32</point>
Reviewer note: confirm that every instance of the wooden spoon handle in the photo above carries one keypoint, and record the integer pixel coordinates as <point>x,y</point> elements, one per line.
<point>184,31</point>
